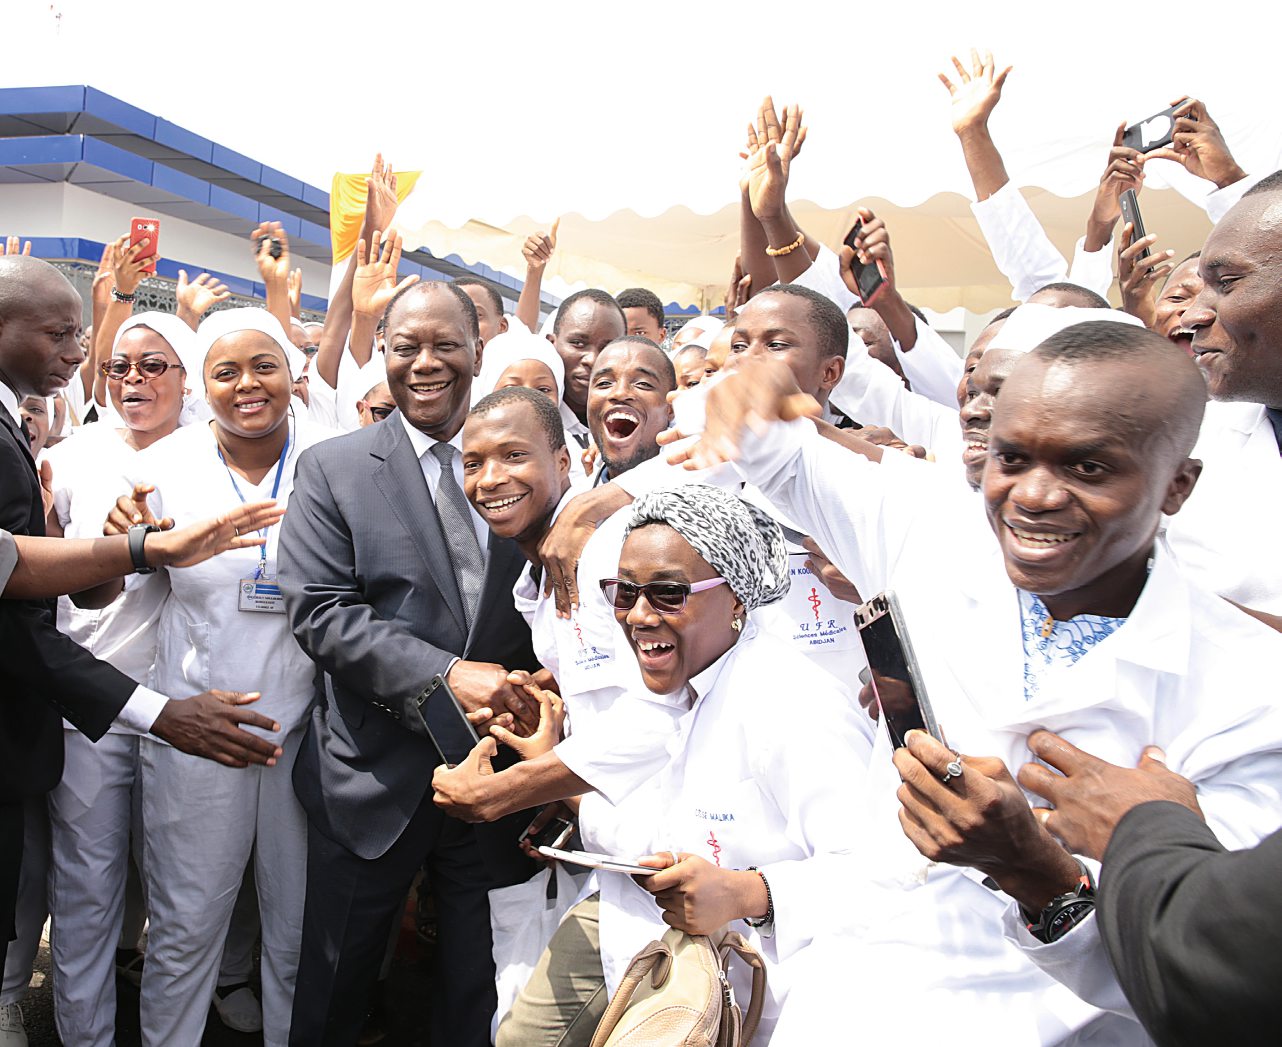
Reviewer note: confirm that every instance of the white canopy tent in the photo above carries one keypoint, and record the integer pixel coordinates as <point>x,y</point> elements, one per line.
<point>626,122</point>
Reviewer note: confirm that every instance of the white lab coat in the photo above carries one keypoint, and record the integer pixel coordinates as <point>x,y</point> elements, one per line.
<point>763,770</point>
<point>1024,253</point>
<point>205,640</point>
<point>91,469</point>
<point>94,804</point>
<point>203,822</point>
<point>1225,534</point>
<point>931,366</point>
<point>1186,672</point>
<point>617,728</point>
<point>872,394</point>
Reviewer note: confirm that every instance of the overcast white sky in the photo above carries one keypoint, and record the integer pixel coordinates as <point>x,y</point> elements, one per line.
<point>566,104</point>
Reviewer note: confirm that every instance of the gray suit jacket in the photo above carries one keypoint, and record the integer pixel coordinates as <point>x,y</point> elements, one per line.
<point>372,599</point>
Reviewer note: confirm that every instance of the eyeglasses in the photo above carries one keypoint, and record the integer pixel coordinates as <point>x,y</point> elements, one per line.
<point>148,368</point>
<point>310,350</point>
<point>664,597</point>
<point>379,413</point>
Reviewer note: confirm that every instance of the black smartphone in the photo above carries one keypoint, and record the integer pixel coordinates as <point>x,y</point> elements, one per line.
<point>870,278</point>
<point>274,247</point>
<point>1131,213</point>
<point>1154,133</point>
<point>460,736</point>
<point>555,831</point>
<point>896,677</point>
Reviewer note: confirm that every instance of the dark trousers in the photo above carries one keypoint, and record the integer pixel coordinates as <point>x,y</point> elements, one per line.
<point>11,830</point>
<point>350,908</point>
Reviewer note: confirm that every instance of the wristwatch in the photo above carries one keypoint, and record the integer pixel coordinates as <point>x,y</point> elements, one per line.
<point>137,536</point>
<point>1065,911</point>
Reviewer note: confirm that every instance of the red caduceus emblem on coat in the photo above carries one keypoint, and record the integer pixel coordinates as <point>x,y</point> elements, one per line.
<point>815,602</point>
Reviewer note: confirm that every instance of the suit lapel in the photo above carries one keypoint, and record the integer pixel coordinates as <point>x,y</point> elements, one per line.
<point>21,440</point>
<point>503,563</point>
<point>399,476</point>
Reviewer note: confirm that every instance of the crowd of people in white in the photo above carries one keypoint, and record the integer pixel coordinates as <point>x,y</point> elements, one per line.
<point>427,591</point>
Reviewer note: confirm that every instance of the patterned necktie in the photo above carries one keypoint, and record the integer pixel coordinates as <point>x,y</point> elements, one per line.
<point>460,534</point>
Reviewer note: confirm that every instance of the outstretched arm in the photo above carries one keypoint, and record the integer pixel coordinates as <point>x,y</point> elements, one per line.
<point>538,250</point>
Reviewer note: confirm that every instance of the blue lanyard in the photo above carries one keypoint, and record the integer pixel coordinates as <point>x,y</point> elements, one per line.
<point>261,570</point>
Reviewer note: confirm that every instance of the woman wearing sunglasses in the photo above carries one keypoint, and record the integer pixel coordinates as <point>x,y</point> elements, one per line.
<point>763,769</point>
<point>225,624</point>
<point>90,810</point>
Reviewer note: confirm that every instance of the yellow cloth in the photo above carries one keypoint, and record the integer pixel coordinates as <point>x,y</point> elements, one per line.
<point>347,195</point>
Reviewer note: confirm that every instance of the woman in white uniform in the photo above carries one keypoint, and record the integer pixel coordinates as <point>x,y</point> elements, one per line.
<point>91,808</point>
<point>224,624</point>
<point>763,769</point>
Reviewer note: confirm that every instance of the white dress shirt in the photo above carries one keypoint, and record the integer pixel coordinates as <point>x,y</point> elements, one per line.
<point>144,705</point>
<point>422,444</point>
<point>1147,683</point>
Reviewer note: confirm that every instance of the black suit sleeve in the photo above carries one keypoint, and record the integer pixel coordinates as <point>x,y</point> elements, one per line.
<point>1194,931</point>
<point>45,665</point>
<point>331,616</point>
<point>40,663</point>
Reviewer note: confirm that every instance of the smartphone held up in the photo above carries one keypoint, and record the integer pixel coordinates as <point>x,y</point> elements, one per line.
<point>870,277</point>
<point>148,229</point>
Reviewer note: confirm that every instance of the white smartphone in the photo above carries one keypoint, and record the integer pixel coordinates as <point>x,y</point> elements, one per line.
<point>597,861</point>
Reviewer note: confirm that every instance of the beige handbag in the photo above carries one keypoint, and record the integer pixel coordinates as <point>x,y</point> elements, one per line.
<point>676,994</point>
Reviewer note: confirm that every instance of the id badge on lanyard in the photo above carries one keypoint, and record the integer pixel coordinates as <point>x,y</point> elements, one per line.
<point>260,594</point>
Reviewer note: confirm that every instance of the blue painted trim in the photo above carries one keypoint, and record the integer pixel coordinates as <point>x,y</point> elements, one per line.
<point>184,141</point>
<point>122,114</point>
<point>235,163</point>
<point>19,101</point>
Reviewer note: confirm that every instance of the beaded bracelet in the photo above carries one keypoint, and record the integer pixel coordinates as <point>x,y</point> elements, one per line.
<point>120,296</point>
<point>775,252</point>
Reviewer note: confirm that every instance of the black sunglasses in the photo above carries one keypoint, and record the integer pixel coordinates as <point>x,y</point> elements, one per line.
<point>664,597</point>
<point>148,368</point>
<point>379,413</point>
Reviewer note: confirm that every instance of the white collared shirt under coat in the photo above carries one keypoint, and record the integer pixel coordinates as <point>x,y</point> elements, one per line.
<point>1186,671</point>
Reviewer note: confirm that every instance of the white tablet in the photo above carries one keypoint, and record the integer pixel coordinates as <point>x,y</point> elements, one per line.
<point>598,861</point>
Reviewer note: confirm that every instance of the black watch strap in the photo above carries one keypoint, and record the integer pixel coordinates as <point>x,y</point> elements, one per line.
<point>137,537</point>
<point>1064,912</point>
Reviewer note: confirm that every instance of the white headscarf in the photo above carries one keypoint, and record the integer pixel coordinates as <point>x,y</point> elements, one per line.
<point>182,340</point>
<point>1030,325</point>
<point>229,321</point>
<point>511,347</point>
<point>704,328</point>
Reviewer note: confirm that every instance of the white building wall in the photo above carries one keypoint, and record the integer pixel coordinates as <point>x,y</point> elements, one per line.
<point>65,210</point>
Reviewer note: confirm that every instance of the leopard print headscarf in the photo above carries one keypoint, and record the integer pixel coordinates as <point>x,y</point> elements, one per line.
<point>739,541</point>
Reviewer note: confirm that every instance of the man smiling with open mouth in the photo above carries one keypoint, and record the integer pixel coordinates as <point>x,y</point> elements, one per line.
<point>628,404</point>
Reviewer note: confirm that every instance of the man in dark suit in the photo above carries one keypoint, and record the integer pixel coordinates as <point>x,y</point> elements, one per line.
<point>391,582</point>
<point>1193,930</point>
<point>45,676</point>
